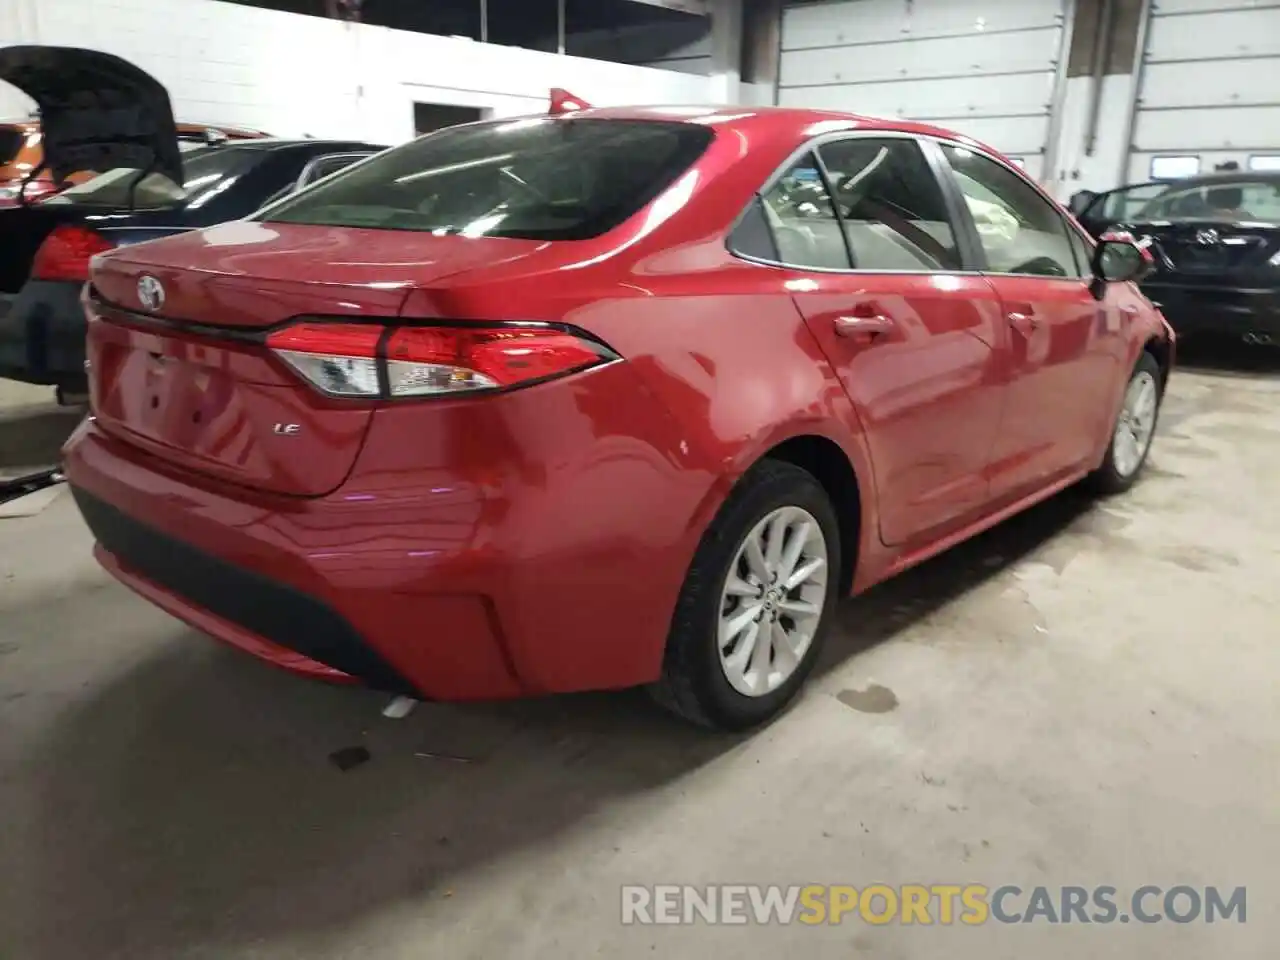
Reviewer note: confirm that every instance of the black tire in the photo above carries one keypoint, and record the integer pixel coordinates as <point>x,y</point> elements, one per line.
<point>1107,479</point>
<point>693,684</point>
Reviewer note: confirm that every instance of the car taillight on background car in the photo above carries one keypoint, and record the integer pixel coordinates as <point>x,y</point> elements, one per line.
<point>368,360</point>
<point>66,252</point>
<point>12,193</point>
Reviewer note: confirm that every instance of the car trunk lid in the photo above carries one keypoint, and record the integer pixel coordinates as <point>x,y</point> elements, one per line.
<point>178,360</point>
<point>97,111</point>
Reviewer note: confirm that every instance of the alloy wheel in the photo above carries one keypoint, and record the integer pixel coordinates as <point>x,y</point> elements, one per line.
<point>1137,423</point>
<point>773,601</point>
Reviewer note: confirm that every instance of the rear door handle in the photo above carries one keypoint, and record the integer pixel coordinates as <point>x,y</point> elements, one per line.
<point>870,326</point>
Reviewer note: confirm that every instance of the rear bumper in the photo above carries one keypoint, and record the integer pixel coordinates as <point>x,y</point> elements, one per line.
<point>551,568</point>
<point>1224,311</point>
<point>42,335</point>
<point>255,613</point>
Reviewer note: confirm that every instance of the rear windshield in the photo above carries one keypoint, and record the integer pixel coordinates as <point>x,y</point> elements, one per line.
<point>204,170</point>
<point>539,179</point>
<point>11,140</point>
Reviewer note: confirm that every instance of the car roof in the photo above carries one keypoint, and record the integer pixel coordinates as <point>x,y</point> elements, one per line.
<point>279,143</point>
<point>798,122</point>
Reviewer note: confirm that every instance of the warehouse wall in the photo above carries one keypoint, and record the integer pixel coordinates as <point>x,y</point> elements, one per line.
<point>1208,83</point>
<point>294,75</point>
<point>1179,78</point>
<point>987,68</point>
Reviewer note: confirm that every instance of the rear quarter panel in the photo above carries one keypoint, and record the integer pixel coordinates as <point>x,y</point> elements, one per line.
<point>717,342</point>
<point>718,346</point>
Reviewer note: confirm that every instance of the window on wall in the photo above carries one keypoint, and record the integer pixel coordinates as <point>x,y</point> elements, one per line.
<point>1020,231</point>
<point>429,117</point>
<point>891,205</point>
<point>1265,162</point>
<point>1174,168</point>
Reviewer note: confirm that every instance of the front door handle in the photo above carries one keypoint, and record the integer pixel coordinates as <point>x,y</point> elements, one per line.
<point>871,326</point>
<point>1025,323</point>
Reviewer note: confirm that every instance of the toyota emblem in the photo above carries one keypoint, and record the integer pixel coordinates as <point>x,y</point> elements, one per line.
<point>150,293</point>
<point>1207,238</point>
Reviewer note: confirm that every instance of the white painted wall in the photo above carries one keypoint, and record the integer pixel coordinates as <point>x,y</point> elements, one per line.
<point>294,75</point>
<point>985,68</point>
<point>691,58</point>
<point>1209,83</point>
<point>1076,168</point>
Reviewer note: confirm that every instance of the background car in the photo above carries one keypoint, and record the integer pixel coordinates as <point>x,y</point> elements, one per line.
<point>150,183</point>
<point>22,157</point>
<point>615,398</point>
<point>1215,242</point>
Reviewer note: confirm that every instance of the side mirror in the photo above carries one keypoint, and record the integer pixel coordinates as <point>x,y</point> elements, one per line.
<point>1120,258</point>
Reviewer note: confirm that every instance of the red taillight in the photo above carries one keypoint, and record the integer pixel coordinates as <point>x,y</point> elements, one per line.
<point>365,360</point>
<point>13,193</point>
<point>66,252</point>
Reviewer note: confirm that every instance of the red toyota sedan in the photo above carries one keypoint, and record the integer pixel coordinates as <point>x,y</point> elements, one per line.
<point>605,399</point>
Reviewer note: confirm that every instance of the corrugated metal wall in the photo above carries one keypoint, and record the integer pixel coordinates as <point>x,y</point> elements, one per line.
<point>986,68</point>
<point>1210,83</point>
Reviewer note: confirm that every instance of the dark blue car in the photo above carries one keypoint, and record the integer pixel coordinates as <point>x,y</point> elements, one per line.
<point>149,187</point>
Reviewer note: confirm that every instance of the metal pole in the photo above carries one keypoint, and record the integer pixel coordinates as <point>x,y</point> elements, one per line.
<point>484,21</point>
<point>1101,54</point>
<point>560,27</point>
<point>1057,104</point>
<point>1135,97</point>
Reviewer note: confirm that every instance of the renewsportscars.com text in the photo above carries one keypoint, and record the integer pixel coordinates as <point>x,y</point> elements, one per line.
<point>942,904</point>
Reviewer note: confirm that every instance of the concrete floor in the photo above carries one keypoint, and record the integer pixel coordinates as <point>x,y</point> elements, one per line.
<point>1088,695</point>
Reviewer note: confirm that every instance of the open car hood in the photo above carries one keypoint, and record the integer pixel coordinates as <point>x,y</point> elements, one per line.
<point>97,112</point>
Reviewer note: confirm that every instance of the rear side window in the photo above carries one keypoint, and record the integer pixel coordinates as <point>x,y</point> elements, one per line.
<point>799,211</point>
<point>205,171</point>
<point>541,179</point>
<point>891,205</point>
<point>752,237</point>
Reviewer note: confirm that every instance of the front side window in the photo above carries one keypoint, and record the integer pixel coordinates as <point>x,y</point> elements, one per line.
<point>891,205</point>
<point>568,178</point>
<point>1237,200</point>
<point>799,211</point>
<point>1021,232</point>
<point>1126,203</point>
<point>1083,252</point>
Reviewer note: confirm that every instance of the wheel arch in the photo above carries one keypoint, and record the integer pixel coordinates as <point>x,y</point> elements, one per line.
<point>1161,350</point>
<point>828,463</point>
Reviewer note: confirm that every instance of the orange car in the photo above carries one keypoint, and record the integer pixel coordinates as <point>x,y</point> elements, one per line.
<point>21,155</point>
